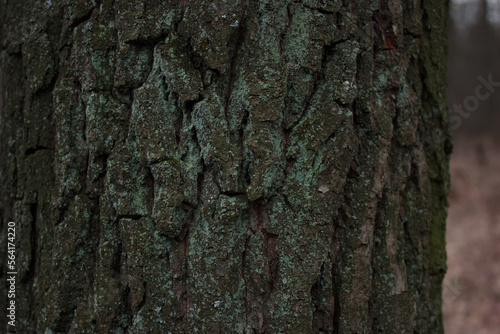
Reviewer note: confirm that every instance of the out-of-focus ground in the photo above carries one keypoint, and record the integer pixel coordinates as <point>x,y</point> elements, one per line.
<point>471,291</point>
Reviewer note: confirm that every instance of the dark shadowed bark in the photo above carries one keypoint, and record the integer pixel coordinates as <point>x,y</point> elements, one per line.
<point>225,166</point>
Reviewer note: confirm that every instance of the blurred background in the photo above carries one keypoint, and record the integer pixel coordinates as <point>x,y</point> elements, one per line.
<point>471,290</point>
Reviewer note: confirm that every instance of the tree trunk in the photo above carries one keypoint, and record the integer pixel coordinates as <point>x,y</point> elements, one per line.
<point>225,166</point>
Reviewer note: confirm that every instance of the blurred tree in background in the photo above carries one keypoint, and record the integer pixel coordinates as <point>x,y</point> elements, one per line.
<point>474,50</point>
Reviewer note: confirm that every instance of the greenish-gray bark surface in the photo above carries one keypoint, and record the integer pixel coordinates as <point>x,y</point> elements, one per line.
<point>225,166</point>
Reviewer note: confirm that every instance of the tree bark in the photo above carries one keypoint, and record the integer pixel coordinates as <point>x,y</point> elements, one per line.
<point>225,166</point>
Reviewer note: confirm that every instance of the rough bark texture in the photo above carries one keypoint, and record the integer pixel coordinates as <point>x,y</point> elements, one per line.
<point>225,166</point>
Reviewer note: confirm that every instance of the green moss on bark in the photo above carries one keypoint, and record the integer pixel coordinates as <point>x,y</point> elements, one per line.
<point>235,167</point>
